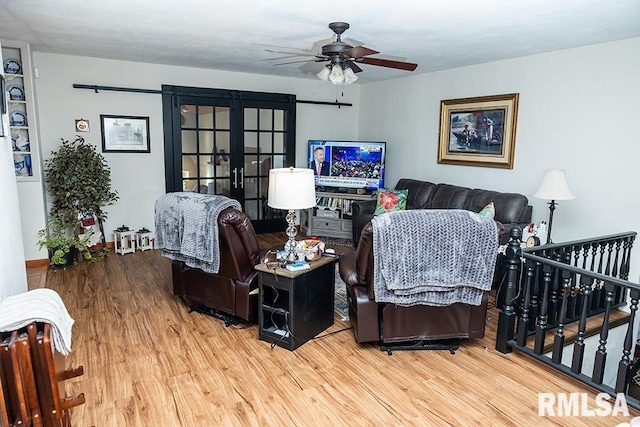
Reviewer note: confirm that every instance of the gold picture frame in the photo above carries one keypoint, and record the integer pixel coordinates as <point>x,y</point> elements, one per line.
<point>479,131</point>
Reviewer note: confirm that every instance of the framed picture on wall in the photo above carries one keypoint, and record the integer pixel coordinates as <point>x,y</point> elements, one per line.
<point>478,131</point>
<point>125,134</point>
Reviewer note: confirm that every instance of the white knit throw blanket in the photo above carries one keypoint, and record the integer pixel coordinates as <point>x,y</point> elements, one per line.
<point>433,257</point>
<point>187,228</point>
<point>39,305</point>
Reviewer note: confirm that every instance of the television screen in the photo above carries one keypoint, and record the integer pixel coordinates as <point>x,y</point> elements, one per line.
<point>348,164</point>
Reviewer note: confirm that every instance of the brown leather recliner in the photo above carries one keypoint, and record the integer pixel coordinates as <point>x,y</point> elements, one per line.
<point>228,291</point>
<point>390,323</point>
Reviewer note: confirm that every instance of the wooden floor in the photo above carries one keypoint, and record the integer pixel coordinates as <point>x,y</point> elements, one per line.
<point>149,363</point>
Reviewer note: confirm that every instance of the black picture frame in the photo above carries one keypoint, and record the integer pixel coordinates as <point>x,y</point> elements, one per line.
<point>125,134</point>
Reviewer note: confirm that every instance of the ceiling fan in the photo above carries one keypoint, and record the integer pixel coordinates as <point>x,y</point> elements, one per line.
<point>343,58</point>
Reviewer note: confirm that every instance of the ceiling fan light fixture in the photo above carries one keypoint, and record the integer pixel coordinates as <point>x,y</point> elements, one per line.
<point>324,74</point>
<point>349,75</point>
<point>337,75</point>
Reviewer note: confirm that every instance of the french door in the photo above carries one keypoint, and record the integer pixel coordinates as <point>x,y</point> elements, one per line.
<point>225,142</point>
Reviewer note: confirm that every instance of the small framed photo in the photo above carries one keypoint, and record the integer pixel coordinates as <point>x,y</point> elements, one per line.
<point>125,134</point>
<point>479,131</point>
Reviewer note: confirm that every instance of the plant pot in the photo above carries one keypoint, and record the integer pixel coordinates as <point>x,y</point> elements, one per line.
<point>68,258</point>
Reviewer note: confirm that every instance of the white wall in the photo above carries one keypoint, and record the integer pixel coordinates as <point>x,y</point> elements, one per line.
<point>578,111</point>
<point>139,178</point>
<point>13,275</point>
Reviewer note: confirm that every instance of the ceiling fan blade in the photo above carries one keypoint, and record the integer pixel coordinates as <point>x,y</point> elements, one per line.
<point>408,66</point>
<point>279,58</point>
<point>353,66</point>
<point>358,52</point>
<point>304,60</point>
<point>298,49</point>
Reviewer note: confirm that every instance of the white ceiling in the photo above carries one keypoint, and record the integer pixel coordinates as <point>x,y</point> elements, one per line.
<point>224,34</point>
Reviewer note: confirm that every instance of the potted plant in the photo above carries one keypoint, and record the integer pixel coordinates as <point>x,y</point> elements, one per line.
<point>62,245</point>
<point>78,179</point>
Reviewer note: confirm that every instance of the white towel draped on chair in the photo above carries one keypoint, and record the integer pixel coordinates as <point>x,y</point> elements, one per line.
<point>38,305</point>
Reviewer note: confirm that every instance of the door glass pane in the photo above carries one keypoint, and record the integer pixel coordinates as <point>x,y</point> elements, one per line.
<point>251,118</point>
<point>278,143</point>
<point>265,165</point>
<point>264,187</point>
<point>222,142</point>
<point>205,116</point>
<point>251,142</point>
<point>278,162</point>
<point>278,119</point>
<point>251,209</point>
<point>205,141</point>
<point>189,141</point>
<point>266,117</point>
<point>189,167</point>
<point>188,116</point>
<point>206,166</point>
<point>222,118</point>
<point>265,142</point>
<point>223,187</point>
<point>189,184</point>
<point>250,165</point>
<point>250,188</point>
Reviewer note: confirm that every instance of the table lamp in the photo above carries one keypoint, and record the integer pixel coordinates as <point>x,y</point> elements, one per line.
<point>291,189</point>
<point>554,187</point>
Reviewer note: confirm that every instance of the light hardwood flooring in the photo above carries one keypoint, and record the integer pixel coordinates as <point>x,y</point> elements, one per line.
<point>150,363</point>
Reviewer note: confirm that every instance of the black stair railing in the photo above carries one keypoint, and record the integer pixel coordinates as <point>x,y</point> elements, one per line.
<point>550,287</point>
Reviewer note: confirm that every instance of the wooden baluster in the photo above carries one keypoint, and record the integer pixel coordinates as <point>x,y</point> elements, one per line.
<point>544,307</point>
<point>558,340</point>
<point>523,320</point>
<point>607,269</point>
<point>578,347</point>
<point>507,316</point>
<point>534,307</point>
<point>626,254</point>
<point>601,353</point>
<point>571,298</point>
<point>625,362</point>
<point>595,300</point>
<point>554,304</point>
<point>614,271</point>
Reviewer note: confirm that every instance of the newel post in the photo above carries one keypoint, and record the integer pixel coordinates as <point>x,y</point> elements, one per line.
<point>507,316</point>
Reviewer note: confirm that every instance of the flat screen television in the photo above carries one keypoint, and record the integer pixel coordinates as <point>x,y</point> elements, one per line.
<point>347,164</point>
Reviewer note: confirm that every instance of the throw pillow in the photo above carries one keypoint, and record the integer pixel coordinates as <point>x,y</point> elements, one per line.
<point>489,211</point>
<point>392,200</point>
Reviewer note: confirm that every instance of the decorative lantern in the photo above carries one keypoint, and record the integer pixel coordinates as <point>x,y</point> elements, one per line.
<point>124,240</point>
<point>144,239</point>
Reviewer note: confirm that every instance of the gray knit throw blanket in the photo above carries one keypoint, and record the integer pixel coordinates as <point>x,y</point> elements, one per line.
<point>433,257</point>
<point>187,228</point>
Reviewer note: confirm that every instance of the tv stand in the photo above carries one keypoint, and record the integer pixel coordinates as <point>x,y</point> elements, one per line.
<point>332,215</point>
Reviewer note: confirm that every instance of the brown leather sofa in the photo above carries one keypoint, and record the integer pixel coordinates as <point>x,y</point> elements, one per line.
<point>511,208</point>
<point>389,323</point>
<point>228,291</point>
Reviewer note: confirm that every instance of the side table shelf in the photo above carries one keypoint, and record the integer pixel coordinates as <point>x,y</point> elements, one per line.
<point>331,217</point>
<point>294,307</point>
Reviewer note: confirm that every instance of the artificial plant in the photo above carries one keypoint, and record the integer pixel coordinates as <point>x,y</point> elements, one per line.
<point>78,179</point>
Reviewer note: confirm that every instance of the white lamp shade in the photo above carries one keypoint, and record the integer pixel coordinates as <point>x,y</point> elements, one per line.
<point>336,76</point>
<point>324,74</point>
<point>349,76</point>
<point>291,188</point>
<point>554,186</point>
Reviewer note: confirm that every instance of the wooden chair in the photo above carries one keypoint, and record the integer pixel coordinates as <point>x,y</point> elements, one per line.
<point>31,379</point>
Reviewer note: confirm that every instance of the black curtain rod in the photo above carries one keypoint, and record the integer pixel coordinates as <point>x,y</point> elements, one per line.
<point>98,88</point>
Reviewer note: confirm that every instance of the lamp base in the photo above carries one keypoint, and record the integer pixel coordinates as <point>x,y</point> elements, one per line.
<point>292,231</point>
